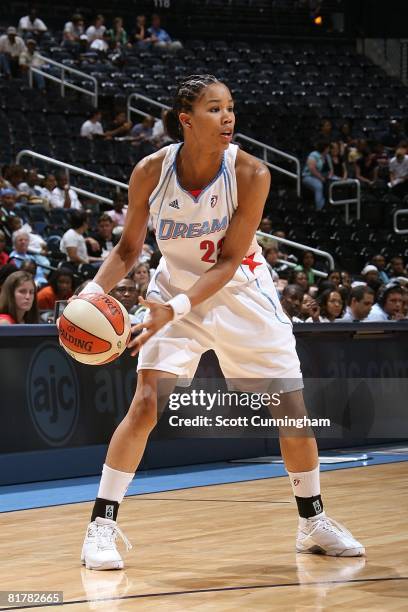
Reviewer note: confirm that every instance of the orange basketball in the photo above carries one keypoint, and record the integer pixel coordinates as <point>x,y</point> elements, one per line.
<point>94,329</point>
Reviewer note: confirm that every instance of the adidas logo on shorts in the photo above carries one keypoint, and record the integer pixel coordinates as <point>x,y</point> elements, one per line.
<point>174,204</point>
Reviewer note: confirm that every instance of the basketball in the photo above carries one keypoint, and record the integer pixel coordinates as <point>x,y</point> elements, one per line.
<point>94,329</point>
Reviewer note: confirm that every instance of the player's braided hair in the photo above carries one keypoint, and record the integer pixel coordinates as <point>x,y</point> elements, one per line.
<point>188,90</point>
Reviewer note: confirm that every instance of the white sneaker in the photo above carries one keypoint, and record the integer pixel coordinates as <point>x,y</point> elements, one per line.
<point>324,536</point>
<point>99,551</point>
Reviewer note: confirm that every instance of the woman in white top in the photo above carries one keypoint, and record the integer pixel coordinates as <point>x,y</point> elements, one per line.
<point>332,307</point>
<point>212,289</point>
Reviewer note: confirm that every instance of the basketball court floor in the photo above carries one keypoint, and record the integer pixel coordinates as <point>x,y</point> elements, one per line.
<point>218,537</point>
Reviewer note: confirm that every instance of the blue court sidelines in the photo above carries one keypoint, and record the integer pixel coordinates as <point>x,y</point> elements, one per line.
<point>75,490</point>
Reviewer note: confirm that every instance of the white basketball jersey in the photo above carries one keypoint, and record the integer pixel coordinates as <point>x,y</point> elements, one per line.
<point>190,231</point>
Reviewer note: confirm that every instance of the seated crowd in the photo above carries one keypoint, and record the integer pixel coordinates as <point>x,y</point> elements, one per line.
<point>18,46</point>
<point>377,163</point>
<point>40,265</point>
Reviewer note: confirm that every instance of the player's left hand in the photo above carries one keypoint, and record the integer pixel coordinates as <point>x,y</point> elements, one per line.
<point>159,316</point>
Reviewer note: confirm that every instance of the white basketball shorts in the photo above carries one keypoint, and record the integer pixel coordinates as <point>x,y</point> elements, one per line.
<point>245,326</point>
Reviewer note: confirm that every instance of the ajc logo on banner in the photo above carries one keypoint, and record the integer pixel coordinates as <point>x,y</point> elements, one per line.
<point>52,394</point>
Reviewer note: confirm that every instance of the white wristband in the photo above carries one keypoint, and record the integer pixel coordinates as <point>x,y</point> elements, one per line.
<point>181,306</point>
<point>91,287</point>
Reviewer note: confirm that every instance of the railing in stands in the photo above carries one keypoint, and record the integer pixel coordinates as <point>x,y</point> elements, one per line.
<point>238,136</point>
<point>301,247</point>
<point>346,203</point>
<point>267,149</point>
<point>118,185</point>
<point>132,109</point>
<point>70,168</point>
<point>63,81</point>
<point>400,213</point>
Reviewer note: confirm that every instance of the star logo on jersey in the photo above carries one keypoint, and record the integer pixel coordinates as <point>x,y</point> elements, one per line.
<point>174,204</point>
<point>249,261</point>
<point>214,200</point>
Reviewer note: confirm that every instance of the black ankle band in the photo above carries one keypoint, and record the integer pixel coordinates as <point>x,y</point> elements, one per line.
<point>309,506</point>
<point>105,508</point>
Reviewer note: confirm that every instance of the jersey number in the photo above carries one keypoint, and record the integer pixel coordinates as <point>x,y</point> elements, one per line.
<point>209,247</point>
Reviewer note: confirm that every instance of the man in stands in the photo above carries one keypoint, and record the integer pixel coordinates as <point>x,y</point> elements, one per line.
<point>120,126</point>
<point>379,262</point>
<point>31,26</point>
<point>161,38</point>
<point>127,294</point>
<point>389,306</point>
<point>360,304</point>
<point>97,30</point>
<point>101,242</point>
<point>31,57</point>
<point>73,30</point>
<point>397,267</point>
<point>399,173</point>
<point>62,195</point>
<point>92,127</point>
<point>118,214</point>
<point>291,300</point>
<point>11,47</point>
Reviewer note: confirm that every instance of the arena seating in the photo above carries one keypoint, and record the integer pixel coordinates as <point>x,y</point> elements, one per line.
<point>282,91</point>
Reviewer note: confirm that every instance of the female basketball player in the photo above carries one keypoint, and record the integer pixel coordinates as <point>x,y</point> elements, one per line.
<point>212,289</point>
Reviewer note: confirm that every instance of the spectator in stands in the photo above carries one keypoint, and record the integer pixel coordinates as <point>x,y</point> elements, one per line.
<point>31,58</point>
<point>345,138</point>
<point>360,303</point>
<point>345,279</point>
<point>73,243</point>
<point>334,277</point>
<point>389,306</point>
<point>370,276</point>
<point>140,274</point>
<point>31,186</point>
<point>97,30</point>
<point>117,34</point>
<point>392,137</point>
<point>11,224</point>
<point>60,287</point>
<point>5,271</point>
<point>120,126</point>
<point>11,47</point>
<point>306,266</point>
<point>140,35</point>
<point>291,301</point>
<point>397,268</point>
<point>379,262</point>
<point>127,294</point>
<point>399,173</point>
<point>142,132</point>
<point>160,138</point>
<point>62,195</point>
<point>31,26</point>
<point>18,302</point>
<point>74,29</point>
<point>325,132</point>
<point>159,37</point>
<point>101,242</point>
<point>4,257</point>
<point>366,167</point>
<point>7,203</point>
<point>309,308</point>
<point>265,225</point>
<point>20,252</point>
<point>337,167</point>
<point>312,176</point>
<point>332,307</point>
<point>92,127</point>
<point>118,214</point>
<point>48,187</point>
<point>298,277</point>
